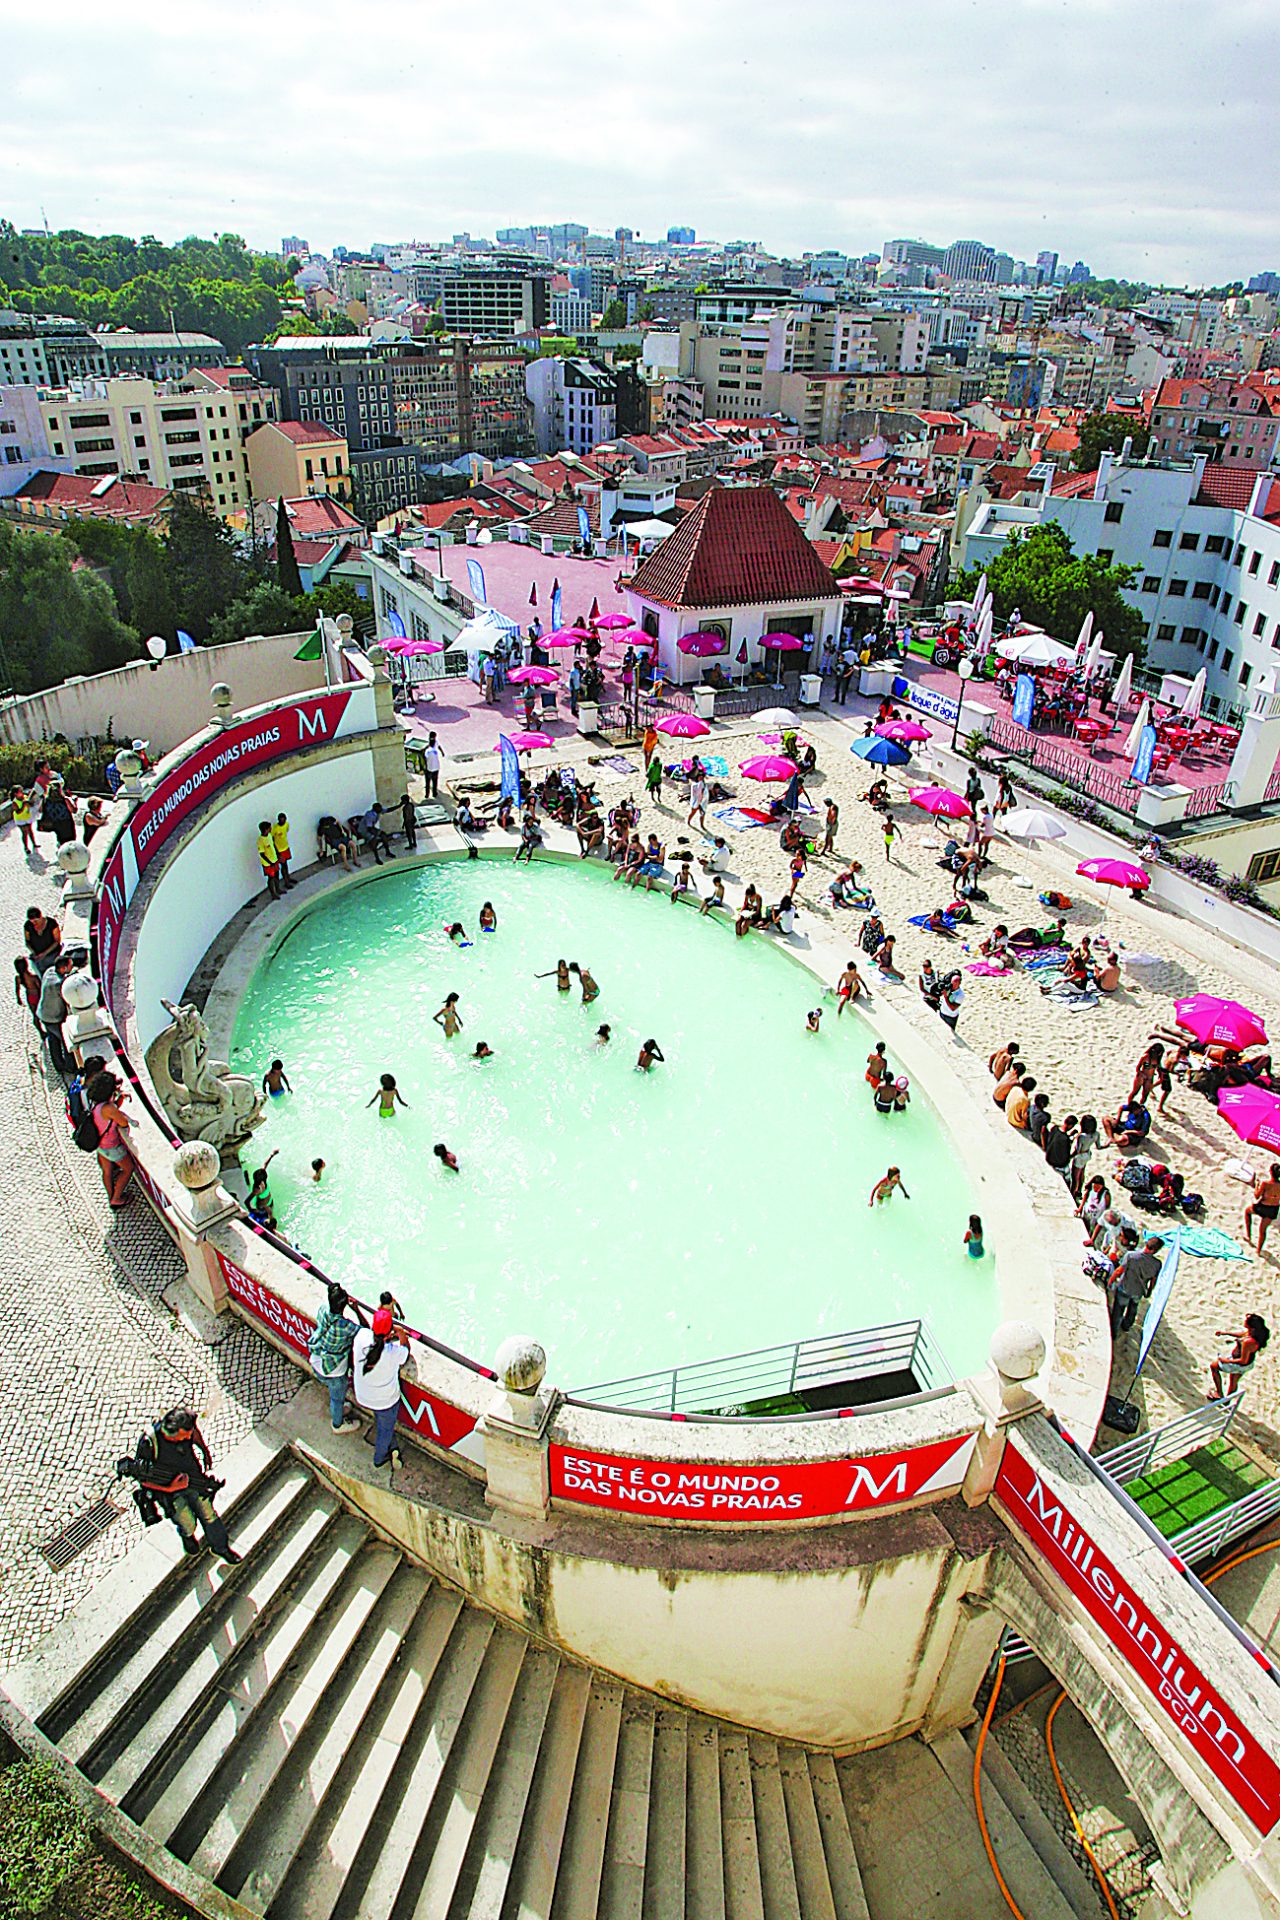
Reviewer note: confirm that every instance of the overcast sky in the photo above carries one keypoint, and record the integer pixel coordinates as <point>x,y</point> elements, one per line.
<point>1138,135</point>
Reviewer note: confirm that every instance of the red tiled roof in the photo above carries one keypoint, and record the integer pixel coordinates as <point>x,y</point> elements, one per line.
<point>304,432</point>
<point>738,547</point>
<point>76,492</point>
<point>561,517</point>
<point>318,513</point>
<point>1269,505</point>
<point>1075,486</point>
<point>1226,487</point>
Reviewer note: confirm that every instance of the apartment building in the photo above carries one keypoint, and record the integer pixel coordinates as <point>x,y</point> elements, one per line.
<point>289,459</point>
<point>1228,421</point>
<point>165,433</point>
<point>575,404</point>
<point>158,356</point>
<point>24,444</point>
<point>570,312</point>
<point>46,350</point>
<point>493,302</point>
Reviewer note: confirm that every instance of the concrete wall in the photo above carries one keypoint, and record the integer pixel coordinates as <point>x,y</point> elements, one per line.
<point>168,705</point>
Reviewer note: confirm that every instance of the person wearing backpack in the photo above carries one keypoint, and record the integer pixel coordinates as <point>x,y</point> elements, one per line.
<point>173,1470</point>
<point>330,1349</point>
<point>78,1108</point>
<point>51,1011</point>
<point>104,1093</point>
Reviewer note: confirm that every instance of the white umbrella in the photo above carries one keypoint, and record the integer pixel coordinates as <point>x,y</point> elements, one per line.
<point>1123,684</point>
<point>1038,650</point>
<point>1190,708</point>
<point>1029,823</point>
<point>777,717</point>
<point>1092,657</point>
<point>1132,744</point>
<point>981,596</point>
<point>1085,631</point>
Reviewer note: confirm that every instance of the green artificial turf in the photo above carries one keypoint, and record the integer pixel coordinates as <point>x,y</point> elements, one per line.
<point>1191,1489</point>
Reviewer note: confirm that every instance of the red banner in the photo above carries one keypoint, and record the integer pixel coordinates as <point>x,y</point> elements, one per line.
<point>426,1413</point>
<point>710,1490</point>
<point>1153,1656</point>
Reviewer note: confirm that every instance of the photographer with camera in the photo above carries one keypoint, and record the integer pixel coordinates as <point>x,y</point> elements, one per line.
<point>173,1470</point>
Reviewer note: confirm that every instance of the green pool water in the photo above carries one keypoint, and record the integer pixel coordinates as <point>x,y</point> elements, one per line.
<point>627,1221</point>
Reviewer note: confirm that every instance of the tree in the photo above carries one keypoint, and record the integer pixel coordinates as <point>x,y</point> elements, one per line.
<point>1107,432</point>
<point>614,316</point>
<point>54,620</point>
<point>205,571</point>
<point>149,604</point>
<point>1040,573</point>
<point>286,559</point>
<point>336,596</point>
<point>264,609</point>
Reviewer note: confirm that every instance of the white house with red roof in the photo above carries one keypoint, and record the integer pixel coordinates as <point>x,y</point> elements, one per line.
<point>738,566</point>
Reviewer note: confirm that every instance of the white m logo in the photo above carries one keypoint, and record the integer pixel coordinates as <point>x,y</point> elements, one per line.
<point>310,725</point>
<point>892,1487</point>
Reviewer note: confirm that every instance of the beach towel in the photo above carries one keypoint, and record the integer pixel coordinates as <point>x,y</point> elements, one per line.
<point>714,764</point>
<point>922,920</point>
<point>619,763</point>
<point>988,968</point>
<point>1212,1243</point>
<point>1051,957</point>
<point>739,818</point>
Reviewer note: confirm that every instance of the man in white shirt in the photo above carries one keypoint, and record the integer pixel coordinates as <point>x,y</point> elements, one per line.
<point>431,764</point>
<point>376,1360</point>
<point>717,861</point>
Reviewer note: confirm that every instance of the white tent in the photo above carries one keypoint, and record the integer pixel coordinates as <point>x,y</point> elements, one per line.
<point>648,530</point>
<point>1034,650</point>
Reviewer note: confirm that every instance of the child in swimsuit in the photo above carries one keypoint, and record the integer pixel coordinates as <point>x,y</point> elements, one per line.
<point>458,934</point>
<point>590,991</point>
<point>716,896</point>
<point>448,1017</point>
<point>387,1095</point>
<point>275,1081</point>
<point>488,919</point>
<point>444,1156</point>
<point>483,1051</point>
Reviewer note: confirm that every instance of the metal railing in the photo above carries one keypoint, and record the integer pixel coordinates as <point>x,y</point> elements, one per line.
<point>1205,800</point>
<point>1159,1446</point>
<point>1056,759</point>
<point>725,1386</point>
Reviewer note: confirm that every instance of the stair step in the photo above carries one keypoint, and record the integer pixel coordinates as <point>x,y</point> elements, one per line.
<point>160,1710</point>
<point>743,1894</point>
<point>806,1850</point>
<point>843,1870</point>
<point>394,1825</point>
<point>171,1621</point>
<point>221,1801</point>
<point>773,1834</point>
<point>626,1844</point>
<point>533,1873</point>
<point>704,1838</point>
<point>664,1874</point>
<point>299,1861</point>
<point>471,1841</point>
<point>582,1850</point>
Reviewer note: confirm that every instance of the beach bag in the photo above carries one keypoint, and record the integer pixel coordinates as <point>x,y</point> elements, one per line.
<point>1057,901</point>
<point>1136,1177</point>
<point>1193,1205</point>
<point>85,1133</point>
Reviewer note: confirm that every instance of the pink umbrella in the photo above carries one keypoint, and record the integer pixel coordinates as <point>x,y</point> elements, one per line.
<point>422,646</point>
<point>1224,1022</point>
<point>683,726</point>
<point>941,801</point>
<point>395,646</point>
<point>564,637</point>
<point>609,620</point>
<point>903,730</point>
<point>1114,873</point>
<point>702,645</point>
<point>1253,1114</point>
<point>769,766</point>
<point>783,642</point>
<point>533,676</point>
<point>526,742</point>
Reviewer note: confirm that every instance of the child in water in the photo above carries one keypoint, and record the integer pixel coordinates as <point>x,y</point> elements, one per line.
<point>973,1238</point>
<point>891,1183</point>
<point>483,1051</point>
<point>275,1081</point>
<point>603,1035</point>
<point>814,1019</point>
<point>458,934</point>
<point>488,918</point>
<point>590,991</point>
<point>317,1171</point>
<point>387,1095</point>
<point>444,1156</point>
<point>448,1017</point>
<point>649,1052</point>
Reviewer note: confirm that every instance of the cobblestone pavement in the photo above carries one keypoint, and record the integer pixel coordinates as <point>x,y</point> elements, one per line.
<point>92,1351</point>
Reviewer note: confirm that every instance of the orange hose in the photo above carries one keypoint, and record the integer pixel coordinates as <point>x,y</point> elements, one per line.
<point>1010,1902</point>
<point>1081,1835</point>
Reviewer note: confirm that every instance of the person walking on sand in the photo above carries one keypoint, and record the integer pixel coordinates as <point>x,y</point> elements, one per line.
<point>890,835</point>
<point>832,822</point>
<point>448,1017</point>
<point>653,780</point>
<point>698,796</point>
<point>1248,1344</point>
<point>1264,1205</point>
<point>649,745</point>
<point>890,1183</point>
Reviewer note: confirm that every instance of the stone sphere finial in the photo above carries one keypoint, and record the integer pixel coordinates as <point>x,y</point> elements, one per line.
<point>73,858</point>
<point>80,991</point>
<point>128,764</point>
<point>521,1364</point>
<point>1017,1350</point>
<point>196,1165</point>
<point>220,694</point>
<point>377,658</point>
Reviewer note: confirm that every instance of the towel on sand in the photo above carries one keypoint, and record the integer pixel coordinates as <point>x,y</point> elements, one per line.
<point>1212,1243</point>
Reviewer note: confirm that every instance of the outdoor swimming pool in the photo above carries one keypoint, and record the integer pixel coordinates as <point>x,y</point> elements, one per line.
<point>627,1221</point>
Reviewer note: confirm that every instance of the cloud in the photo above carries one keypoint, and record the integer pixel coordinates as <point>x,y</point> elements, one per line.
<point>1135,138</point>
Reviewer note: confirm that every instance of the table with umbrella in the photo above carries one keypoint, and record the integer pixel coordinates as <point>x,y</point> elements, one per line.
<point>879,751</point>
<point>780,643</point>
<point>1030,823</point>
<point>533,677</point>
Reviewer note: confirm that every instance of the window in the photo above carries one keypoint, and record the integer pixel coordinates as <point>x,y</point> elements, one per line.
<point>1151,584</point>
<point>1164,538</point>
<point>1263,867</point>
<point>1245,673</point>
<point>1114,512</point>
<point>1213,543</point>
<point>1238,615</point>
<point>1228,662</point>
<point>1189,542</point>
<point>1213,649</point>
<point>1193,636</point>
<point>1177,589</point>
<point>1165,633</point>
<point>1274,574</point>
<point>1260,621</point>
<point>1255,561</point>
<point>1200,591</point>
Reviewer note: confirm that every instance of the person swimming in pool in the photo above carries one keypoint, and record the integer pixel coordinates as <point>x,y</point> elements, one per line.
<point>889,1184</point>
<point>448,1018</point>
<point>444,1156</point>
<point>483,1051</point>
<point>317,1171</point>
<point>458,934</point>
<point>813,1020</point>
<point>590,991</point>
<point>604,1034</point>
<point>561,975</point>
<point>275,1081</point>
<point>387,1096</point>
<point>488,918</point>
<point>649,1052</point>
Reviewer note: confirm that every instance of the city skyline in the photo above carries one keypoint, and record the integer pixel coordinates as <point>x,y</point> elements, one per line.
<point>1029,138</point>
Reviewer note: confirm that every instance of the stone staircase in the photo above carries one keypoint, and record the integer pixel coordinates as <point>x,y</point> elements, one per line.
<point>328,1732</point>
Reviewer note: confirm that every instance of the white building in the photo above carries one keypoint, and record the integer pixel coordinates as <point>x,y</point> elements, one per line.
<point>24,442</point>
<point>575,404</point>
<point>1204,544</point>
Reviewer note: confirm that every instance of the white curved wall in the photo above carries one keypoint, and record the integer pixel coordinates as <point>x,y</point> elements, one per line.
<point>193,898</point>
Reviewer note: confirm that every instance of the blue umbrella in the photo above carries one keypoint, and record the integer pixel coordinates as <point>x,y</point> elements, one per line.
<point>880,752</point>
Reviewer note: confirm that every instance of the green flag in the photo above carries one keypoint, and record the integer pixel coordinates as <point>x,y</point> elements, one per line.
<point>310,648</point>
